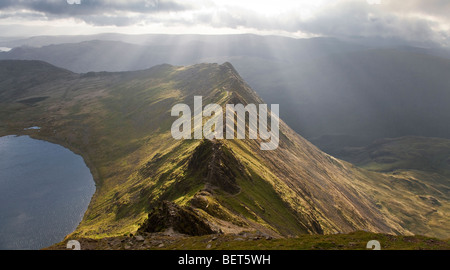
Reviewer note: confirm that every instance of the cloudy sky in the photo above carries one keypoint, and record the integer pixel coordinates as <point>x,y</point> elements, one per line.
<point>412,20</point>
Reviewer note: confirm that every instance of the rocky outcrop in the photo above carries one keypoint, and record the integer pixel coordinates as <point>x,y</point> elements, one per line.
<point>170,216</point>
<point>217,165</point>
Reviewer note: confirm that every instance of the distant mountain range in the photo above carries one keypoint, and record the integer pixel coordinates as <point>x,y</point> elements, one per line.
<point>148,182</point>
<point>335,93</point>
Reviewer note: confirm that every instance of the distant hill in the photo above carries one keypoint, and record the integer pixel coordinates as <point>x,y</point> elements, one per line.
<point>126,53</point>
<point>97,55</point>
<point>405,153</point>
<point>149,182</point>
<point>425,162</point>
<point>18,77</point>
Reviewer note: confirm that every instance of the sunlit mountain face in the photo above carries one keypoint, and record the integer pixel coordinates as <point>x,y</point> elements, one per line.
<point>336,93</point>
<point>363,136</point>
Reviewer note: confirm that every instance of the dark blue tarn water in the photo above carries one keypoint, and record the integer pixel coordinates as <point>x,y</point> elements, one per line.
<point>45,190</point>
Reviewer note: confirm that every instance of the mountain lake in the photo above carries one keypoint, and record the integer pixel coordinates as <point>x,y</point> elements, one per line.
<point>45,190</point>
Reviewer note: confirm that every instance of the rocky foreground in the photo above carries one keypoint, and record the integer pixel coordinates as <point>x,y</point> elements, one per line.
<point>256,241</point>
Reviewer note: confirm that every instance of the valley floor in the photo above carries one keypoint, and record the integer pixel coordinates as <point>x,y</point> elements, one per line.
<point>251,241</point>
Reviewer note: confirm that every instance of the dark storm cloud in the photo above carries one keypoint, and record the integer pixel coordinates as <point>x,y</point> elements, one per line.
<point>95,12</point>
<point>61,8</point>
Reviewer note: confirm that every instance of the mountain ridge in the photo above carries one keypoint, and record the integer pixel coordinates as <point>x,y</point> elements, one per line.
<point>120,122</point>
<point>327,87</point>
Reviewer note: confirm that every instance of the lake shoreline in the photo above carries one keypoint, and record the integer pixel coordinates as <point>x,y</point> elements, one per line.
<point>36,135</point>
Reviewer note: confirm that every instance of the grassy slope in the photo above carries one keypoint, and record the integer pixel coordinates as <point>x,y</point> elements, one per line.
<point>418,170</point>
<point>332,92</point>
<point>120,123</point>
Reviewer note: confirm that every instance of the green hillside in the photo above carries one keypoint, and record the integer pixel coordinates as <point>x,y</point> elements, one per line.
<point>120,124</point>
<point>334,93</point>
<point>417,164</point>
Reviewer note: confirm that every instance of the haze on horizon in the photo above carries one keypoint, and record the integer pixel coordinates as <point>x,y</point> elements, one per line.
<point>414,21</point>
